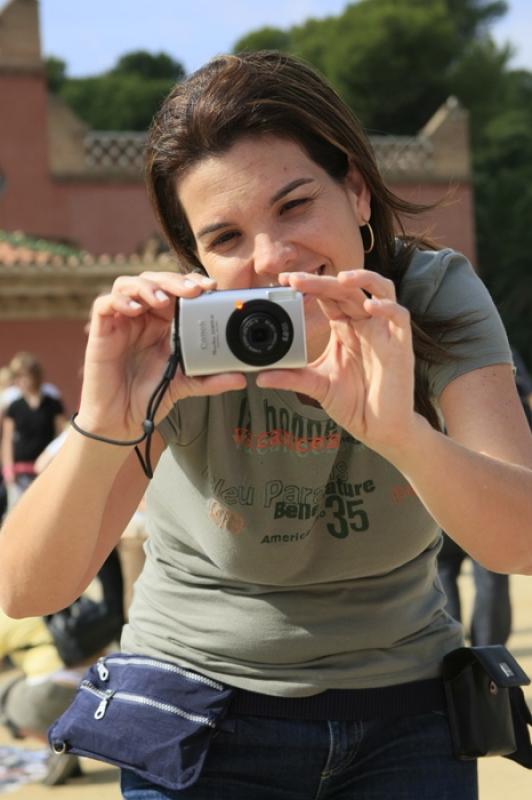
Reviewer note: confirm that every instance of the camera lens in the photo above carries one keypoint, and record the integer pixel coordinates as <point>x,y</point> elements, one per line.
<point>260,333</point>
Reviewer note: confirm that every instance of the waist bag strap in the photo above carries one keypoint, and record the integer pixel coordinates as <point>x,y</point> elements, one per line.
<point>417,697</point>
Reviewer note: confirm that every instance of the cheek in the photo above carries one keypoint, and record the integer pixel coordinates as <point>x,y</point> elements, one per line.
<point>352,250</point>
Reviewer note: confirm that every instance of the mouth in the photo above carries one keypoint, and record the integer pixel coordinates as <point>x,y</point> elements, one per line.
<point>308,298</point>
<point>319,271</point>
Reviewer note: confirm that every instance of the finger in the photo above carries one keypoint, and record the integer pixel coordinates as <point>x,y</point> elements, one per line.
<point>174,282</point>
<point>368,281</point>
<point>116,304</point>
<point>156,289</point>
<point>137,294</point>
<point>346,310</point>
<point>398,316</point>
<point>132,296</point>
<point>335,301</point>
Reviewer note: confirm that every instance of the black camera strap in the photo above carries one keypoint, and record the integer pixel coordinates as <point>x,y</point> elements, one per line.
<point>148,426</point>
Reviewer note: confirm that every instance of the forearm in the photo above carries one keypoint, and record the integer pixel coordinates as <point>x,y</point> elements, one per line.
<point>484,504</point>
<point>52,535</point>
<point>7,452</point>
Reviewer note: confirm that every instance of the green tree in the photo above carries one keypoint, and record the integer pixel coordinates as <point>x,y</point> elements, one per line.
<point>483,64</point>
<point>503,191</point>
<point>266,38</point>
<point>115,102</point>
<point>124,98</point>
<point>55,71</point>
<point>395,61</point>
<point>151,66</point>
<point>472,18</point>
<point>381,47</point>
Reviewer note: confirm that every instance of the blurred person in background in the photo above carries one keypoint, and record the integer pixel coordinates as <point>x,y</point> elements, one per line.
<point>30,422</point>
<point>41,687</point>
<point>37,689</point>
<point>9,390</point>
<point>131,545</point>
<point>523,381</point>
<point>6,382</point>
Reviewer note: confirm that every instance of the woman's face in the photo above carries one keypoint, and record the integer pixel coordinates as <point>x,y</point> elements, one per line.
<point>264,207</point>
<point>26,382</point>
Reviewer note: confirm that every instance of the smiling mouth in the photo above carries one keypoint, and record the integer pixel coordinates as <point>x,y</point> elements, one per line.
<point>320,271</point>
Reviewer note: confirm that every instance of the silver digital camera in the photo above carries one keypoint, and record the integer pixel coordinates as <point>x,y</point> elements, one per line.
<point>242,330</point>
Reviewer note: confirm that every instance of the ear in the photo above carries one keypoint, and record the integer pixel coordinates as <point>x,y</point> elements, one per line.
<point>359,194</point>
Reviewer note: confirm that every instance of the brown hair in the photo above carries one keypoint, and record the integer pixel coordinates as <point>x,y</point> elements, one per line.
<point>271,93</point>
<point>27,364</point>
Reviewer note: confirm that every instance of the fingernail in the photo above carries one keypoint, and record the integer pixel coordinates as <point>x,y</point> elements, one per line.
<point>160,295</point>
<point>133,304</point>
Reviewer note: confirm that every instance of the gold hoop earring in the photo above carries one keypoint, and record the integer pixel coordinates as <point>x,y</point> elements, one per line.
<point>371,237</point>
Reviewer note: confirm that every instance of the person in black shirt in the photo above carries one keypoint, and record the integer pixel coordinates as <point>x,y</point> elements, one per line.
<point>29,425</point>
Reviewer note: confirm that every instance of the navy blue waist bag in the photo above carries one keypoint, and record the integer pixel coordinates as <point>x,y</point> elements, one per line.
<point>140,713</point>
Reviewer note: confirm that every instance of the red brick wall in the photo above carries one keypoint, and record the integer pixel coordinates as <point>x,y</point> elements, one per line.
<point>28,201</point>
<point>58,344</point>
<point>452,223</point>
<point>101,216</point>
<point>106,217</point>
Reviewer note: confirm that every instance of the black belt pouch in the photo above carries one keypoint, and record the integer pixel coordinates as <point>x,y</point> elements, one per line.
<point>487,711</point>
<point>150,716</point>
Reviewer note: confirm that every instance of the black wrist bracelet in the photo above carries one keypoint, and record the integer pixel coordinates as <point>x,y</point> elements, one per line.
<point>147,425</point>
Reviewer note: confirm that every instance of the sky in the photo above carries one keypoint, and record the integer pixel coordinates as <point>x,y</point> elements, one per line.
<point>89,35</point>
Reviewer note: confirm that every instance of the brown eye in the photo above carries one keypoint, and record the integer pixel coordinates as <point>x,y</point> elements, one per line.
<point>294,204</point>
<point>223,239</point>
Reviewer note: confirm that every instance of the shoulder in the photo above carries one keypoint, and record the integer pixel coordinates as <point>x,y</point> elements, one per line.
<point>441,280</point>
<point>9,395</point>
<point>443,289</point>
<point>53,403</point>
<point>51,389</point>
<point>15,407</point>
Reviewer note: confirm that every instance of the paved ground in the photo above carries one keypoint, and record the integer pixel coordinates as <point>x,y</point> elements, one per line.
<point>500,779</point>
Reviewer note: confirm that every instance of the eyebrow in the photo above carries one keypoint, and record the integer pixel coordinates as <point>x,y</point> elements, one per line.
<point>289,188</point>
<point>216,226</point>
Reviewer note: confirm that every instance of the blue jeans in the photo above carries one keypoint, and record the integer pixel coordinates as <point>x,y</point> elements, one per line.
<point>491,618</point>
<point>258,758</point>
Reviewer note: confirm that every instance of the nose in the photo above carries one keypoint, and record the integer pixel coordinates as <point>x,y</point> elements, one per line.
<point>272,256</point>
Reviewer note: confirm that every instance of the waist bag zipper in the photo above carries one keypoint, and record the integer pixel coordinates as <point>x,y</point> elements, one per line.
<point>103,671</point>
<point>107,695</point>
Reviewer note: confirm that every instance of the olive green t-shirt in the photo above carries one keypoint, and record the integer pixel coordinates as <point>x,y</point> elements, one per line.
<point>286,557</point>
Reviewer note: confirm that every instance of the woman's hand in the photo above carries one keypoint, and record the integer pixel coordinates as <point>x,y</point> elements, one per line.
<point>364,378</point>
<point>127,351</point>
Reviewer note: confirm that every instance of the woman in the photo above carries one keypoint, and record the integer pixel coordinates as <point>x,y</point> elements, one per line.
<point>294,517</point>
<point>31,420</point>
